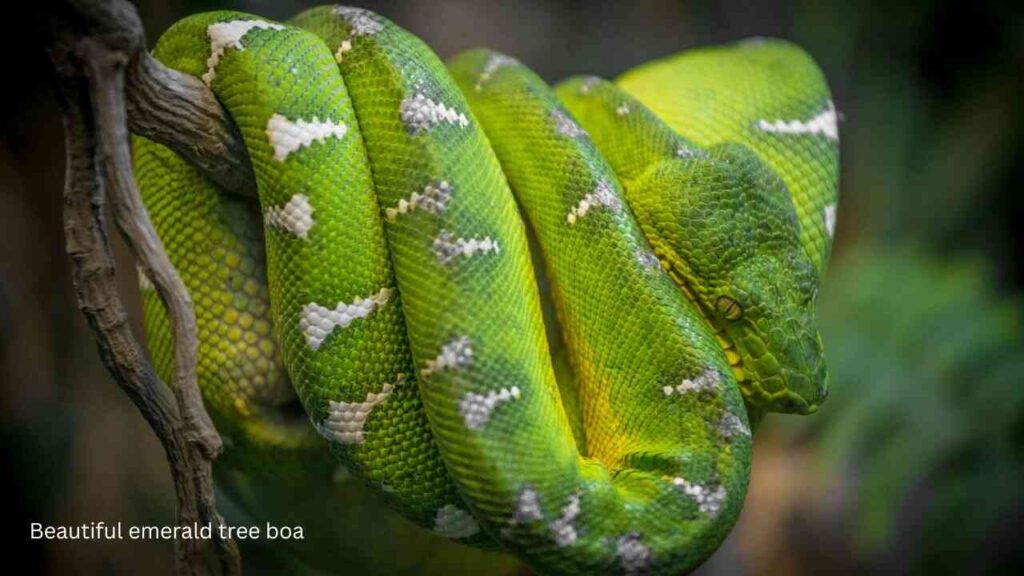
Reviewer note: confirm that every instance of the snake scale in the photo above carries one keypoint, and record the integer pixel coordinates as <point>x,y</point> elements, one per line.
<point>384,287</point>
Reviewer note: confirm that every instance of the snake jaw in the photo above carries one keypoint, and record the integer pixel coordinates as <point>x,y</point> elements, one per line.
<point>733,357</point>
<point>786,374</point>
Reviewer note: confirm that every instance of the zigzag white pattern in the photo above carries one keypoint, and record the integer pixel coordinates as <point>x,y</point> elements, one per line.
<point>287,136</point>
<point>603,195</point>
<point>345,420</point>
<point>420,113</point>
<point>296,216</point>
<point>633,555</point>
<point>433,199</point>
<point>362,21</point>
<point>448,247</point>
<point>317,322</point>
<point>476,409</point>
<point>709,500</point>
<point>706,380</point>
<point>824,124</point>
<point>564,528</point>
<point>455,354</point>
<point>224,35</point>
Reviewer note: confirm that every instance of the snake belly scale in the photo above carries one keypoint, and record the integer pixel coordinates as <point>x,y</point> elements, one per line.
<point>384,280</point>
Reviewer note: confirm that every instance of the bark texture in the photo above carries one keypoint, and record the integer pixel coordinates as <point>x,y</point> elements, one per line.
<point>107,84</point>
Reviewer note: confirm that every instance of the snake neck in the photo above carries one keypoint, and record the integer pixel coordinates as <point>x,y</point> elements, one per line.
<point>732,355</point>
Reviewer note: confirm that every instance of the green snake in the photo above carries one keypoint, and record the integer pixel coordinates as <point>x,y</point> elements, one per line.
<point>680,219</point>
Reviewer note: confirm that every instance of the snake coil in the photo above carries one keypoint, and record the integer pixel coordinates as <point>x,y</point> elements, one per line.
<point>680,218</point>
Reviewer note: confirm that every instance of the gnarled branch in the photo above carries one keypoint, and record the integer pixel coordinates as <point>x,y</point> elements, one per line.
<point>180,112</point>
<point>92,45</point>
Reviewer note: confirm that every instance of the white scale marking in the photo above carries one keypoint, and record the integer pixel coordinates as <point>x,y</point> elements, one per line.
<point>448,247</point>
<point>527,507</point>
<point>494,63</point>
<point>647,259</point>
<point>434,199</point>
<point>362,23</point>
<point>709,501</point>
<point>565,125</point>
<point>731,425</point>
<point>588,84</point>
<point>345,420</point>
<point>317,322</point>
<point>455,354</point>
<point>295,216</point>
<point>420,113</point>
<point>454,522</point>
<point>830,220</point>
<point>345,46</point>
<point>706,380</point>
<point>633,555</point>
<point>603,195</point>
<point>224,35</point>
<point>564,528</point>
<point>684,151</point>
<point>286,136</point>
<point>824,124</point>
<point>476,409</point>
<point>623,109</point>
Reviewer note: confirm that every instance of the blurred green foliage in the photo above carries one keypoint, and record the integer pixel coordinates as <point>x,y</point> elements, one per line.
<point>927,408</point>
<point>921,311</point>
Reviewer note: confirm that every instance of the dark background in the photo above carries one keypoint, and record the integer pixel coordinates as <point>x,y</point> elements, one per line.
<point>915,463</point>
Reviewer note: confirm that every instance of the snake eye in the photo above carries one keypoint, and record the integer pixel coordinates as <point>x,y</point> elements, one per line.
<point>729,308</point>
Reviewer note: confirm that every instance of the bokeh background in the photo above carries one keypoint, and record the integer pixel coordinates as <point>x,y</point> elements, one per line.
<point>915,464</point>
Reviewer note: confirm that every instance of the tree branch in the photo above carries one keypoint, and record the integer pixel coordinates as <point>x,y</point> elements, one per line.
<point>180,112</point>
<point>91,44</point>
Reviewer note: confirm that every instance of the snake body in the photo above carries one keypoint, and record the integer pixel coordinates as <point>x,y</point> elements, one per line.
<point>385,278</point>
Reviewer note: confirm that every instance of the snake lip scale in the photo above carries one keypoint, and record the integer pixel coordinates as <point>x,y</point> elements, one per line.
<point>682,215</point>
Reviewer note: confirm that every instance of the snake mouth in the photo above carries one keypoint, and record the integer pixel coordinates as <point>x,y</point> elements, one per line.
<point>788,402</point>
<point>733,357</point>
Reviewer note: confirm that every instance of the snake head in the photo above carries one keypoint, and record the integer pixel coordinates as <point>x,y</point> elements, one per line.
<point>725,225</point>
<point>763,310</point>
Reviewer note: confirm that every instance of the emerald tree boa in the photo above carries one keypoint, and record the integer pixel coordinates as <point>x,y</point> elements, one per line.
<point>682,217</point>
